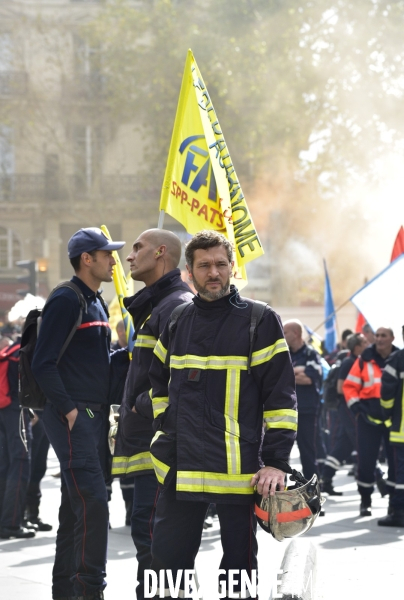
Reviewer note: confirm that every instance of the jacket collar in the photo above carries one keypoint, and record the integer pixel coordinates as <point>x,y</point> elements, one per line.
<point>232,300</point>
<point>372,354</point>
<point>142,303</point>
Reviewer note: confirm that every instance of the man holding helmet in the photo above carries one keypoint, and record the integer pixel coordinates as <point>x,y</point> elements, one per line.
<point>228,372</point>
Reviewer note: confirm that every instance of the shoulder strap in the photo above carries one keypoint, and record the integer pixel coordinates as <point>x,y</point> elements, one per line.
<point>83,307</point>
<point>257,313</point>
<point>175,315</point>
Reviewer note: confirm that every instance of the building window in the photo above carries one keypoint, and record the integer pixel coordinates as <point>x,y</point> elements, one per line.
<point>10,248</point>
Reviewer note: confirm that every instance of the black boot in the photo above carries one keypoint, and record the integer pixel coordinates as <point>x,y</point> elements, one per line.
<point>33,521</point>
<point>328,488</point>
<point>395,519</point>
<point>21,533</point>
<point>365,507</point>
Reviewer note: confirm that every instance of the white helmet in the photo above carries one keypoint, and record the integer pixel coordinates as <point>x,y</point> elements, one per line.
<point>291,512</point>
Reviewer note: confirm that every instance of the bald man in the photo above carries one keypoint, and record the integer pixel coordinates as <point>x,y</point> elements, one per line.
<point>154,260</point>
<point>308,373</point>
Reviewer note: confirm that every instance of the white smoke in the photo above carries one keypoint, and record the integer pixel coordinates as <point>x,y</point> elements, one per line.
<point>21,308</point>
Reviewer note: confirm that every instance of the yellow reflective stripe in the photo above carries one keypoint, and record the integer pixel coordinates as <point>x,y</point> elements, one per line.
<point>191,361</point>
<point>387,423</point>
<point>160,469</point>
<point>215,483</point>
<point>261,356</point>
<point>145,341</point>
<point>281,419</point>
<point>395,436</point>
<point>376,421</point>
<point>232,433</point>
<point>401,432</point>
<point>130,464</point>
<point>387,403</point>
<point>159,405</point>
<point>160,351</point>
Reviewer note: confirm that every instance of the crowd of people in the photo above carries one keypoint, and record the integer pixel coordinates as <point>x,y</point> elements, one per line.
<point>212,402</point>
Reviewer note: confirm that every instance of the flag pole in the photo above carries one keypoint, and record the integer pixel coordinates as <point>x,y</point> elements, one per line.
<point>161,220</point>
<point>332,314</point>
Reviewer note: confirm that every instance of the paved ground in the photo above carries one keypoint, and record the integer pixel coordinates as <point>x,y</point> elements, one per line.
<point>356,558</point>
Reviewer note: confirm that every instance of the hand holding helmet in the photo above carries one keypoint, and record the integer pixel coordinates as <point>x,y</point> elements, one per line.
<point>288,512</point>
<point>268,480</point>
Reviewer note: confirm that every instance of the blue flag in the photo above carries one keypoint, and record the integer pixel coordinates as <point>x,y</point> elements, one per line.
<point>330,338</point>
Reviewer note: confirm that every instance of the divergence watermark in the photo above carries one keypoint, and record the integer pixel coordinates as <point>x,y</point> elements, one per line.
<point>237,584</point>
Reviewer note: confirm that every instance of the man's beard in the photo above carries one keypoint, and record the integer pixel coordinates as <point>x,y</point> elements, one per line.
<point>205,293</point>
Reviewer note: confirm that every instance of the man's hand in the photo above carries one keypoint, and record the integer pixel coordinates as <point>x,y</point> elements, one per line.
<point>134,409</point>
<point>71,417</point>
<point>267,479</point>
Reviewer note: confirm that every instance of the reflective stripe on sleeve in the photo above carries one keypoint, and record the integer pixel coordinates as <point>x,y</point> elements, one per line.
<point>130,464</point>
<point>215,483</point>
<point>159,405</point>
<point>266,354</point>
<point>352,401</point>
<point>160,351</point>
<point>281,419</point>
<point>145,341</point>
<point>387,403</point>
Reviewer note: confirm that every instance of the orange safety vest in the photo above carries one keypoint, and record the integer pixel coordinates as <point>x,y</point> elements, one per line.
<point>363,382</point>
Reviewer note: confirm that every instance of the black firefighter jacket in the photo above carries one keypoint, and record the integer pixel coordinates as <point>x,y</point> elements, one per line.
<point>211,411</point>
<point>150,309</point>
<point>392,400</point>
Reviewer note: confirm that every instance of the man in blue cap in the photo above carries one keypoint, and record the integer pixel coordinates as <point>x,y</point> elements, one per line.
<point>76,386</point>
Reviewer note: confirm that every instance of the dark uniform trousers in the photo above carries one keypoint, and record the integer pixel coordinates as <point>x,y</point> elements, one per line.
<point>178,530</point>
<point>345,441</point>
<point>369,438</point>
<point>397,499</point>
<point>145,495</point>
<point>14,466</point>
<point>39,456</point>
<point>306,442</point>
<point>81,542</point>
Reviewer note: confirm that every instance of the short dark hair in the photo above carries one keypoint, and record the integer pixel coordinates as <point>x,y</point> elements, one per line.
<point>353,340</point>
<point>206,239</point>
<point>75,261</point>
<point>346,333</point>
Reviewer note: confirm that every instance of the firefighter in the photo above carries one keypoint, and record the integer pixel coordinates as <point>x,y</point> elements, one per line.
<point>361,389</point>
<point>154,260</point>
<point>210,405</point>
<point>392,402</point>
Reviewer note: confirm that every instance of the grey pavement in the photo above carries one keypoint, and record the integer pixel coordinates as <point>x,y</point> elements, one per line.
<point>355,557</point>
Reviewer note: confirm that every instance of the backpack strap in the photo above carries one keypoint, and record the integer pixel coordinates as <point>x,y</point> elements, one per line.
<point>175,315</point>
<point>257,313</point>
<point>83,307</point>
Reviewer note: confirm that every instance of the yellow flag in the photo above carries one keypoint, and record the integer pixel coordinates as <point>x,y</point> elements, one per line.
<point>122,290</point>
<point>200,188</point>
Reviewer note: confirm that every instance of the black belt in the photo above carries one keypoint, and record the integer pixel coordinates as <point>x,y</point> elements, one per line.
<point>91,406</point>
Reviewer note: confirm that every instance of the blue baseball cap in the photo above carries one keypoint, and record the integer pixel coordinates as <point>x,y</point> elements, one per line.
<point>89,239</point>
